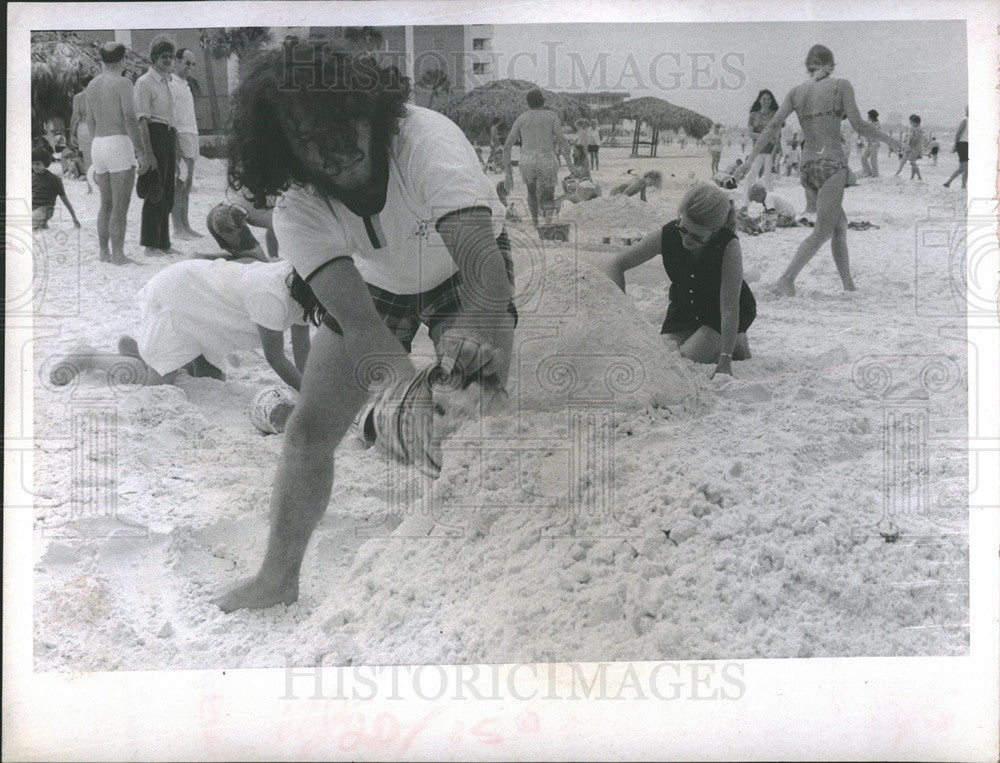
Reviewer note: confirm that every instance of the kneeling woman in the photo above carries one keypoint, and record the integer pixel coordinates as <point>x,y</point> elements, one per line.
<point>195,313</point>
<point>711,306</point>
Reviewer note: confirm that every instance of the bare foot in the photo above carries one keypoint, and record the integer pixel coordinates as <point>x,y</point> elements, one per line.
<point>849,285</point>
<point>253,593</point>
<point>782,288</point>
<point>104,255</point>
<point>152,252</point>
<point>123,260</point>
<point>191,233</point>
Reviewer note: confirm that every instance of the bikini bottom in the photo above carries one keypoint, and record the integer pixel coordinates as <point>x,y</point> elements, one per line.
<point>815,172</point>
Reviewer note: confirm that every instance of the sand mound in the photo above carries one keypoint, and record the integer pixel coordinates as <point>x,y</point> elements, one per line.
<point>580,341</point>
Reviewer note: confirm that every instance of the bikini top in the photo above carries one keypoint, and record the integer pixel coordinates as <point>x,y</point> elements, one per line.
<point>838,111</point>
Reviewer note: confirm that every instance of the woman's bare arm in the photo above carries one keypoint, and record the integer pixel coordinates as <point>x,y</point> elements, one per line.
<point>632,257</point>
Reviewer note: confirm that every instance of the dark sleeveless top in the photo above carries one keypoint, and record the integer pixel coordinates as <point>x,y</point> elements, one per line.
<point>695,283</point>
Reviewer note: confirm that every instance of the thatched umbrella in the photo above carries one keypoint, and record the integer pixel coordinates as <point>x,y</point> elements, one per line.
<point>60,61</point>
<point>660,115</point>
<point>504,99</point>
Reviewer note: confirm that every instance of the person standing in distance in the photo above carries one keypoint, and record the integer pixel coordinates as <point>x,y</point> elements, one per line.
<point>154,106</point>
<point>187,141</point>
<point>117,140</point>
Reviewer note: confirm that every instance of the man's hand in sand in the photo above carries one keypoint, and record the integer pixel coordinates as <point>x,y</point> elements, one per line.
<point>471,348</point>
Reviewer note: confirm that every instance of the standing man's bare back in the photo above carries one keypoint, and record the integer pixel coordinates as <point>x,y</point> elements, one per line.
<point>116,143</point>
<point>540,132</point>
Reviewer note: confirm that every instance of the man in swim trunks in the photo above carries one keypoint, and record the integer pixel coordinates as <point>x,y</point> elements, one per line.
<point>385,211</point>
<point>542,141</point>
<point>111,120</point>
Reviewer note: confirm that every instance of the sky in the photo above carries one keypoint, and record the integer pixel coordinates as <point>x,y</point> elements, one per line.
<point>896,67</point>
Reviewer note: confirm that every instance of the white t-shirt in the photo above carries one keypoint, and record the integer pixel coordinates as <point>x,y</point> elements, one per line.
<point>433,170</point>
<point>184,119</point>
<point>212,308</point>
<point>774,203</point>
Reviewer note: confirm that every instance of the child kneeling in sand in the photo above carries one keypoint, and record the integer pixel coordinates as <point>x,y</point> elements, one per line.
<point>773,204</point>
<point>710,305</point>
<point>195,313</point>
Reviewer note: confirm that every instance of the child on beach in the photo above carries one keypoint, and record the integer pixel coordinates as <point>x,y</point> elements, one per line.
<point>792,159</point>
<point>195,313</point>
<point>45,187</point>
<point>773,203</point>
<point>710,305</point>
<point>638,185</point>
<point>913,149</point>
<point>579,185</point>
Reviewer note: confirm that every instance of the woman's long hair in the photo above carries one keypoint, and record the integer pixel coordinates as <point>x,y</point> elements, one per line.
<point>312,310</point>
<point>280,85</point>
<point>756,104</point>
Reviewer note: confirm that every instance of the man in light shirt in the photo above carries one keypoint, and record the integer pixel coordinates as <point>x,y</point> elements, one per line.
<point>187,141</point>
<point>154,107</point>
<point>386,215</point>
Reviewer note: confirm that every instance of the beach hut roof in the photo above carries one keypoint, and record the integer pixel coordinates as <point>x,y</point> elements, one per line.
<point>660,114</point>
<point>475,110</point>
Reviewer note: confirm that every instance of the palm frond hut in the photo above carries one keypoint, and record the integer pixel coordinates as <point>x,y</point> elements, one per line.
<point>659,115</point>
<point>476,110</point>
<point>60,63</point>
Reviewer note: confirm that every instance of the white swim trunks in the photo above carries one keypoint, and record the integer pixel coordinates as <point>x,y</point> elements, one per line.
<point>112,153</point>
<point>188,144</point>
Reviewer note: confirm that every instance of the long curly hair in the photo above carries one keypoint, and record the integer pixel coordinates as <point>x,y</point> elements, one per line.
<point>280,85</point>
<point>312,310</point>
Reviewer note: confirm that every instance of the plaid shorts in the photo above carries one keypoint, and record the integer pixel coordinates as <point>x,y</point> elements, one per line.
<point>403,313</point>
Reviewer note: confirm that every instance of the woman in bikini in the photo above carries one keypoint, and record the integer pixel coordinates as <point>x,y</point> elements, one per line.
<point>821,104</point>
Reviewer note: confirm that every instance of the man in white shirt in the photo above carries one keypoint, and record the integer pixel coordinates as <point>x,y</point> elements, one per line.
<point>187,141</point>
<point>385,213</point>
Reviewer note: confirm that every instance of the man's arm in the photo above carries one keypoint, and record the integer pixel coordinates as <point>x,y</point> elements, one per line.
<point>138,128</point>
<point>481,337</point>
<point>91,116</point>
<point>508,146</point>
